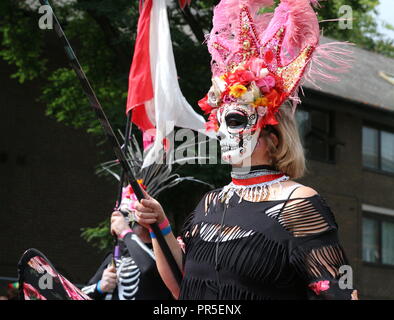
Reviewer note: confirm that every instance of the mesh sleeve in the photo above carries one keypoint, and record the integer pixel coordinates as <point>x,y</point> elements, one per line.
<point>315,250</point>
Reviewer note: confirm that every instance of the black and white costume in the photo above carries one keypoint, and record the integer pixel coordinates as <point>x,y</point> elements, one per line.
<point>137,274</point>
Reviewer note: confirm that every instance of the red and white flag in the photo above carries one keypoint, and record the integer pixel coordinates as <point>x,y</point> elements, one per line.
<point>154,95</point>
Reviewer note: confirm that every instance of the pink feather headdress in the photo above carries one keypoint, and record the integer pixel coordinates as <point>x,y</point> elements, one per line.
<point>260,57</point>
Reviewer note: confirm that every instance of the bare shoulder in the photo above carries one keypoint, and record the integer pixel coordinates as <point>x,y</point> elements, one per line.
<point>282,191</point>
<point>303,192</point>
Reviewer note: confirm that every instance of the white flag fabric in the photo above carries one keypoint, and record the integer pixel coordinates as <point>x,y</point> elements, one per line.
<point>169,107</point>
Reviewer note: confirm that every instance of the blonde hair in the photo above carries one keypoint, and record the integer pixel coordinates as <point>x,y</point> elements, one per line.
<point>288,156</point>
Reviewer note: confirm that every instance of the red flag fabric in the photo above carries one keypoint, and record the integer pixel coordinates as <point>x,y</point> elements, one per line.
<point>140,79</point>
<point>154,93</point>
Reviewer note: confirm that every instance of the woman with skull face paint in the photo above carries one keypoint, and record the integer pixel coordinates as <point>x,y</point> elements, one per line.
<point>263,236</point>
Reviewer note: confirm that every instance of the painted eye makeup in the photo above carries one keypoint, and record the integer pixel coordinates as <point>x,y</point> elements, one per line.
<point>236,120</point>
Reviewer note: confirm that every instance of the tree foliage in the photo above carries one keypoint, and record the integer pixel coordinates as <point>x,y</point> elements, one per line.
<point>364,31</point>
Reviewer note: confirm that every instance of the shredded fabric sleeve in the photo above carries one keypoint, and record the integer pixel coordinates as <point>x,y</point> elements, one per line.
<point>186,229</point>
<point>204,204</point>
<point>186,233</point>
<point>315,250</point>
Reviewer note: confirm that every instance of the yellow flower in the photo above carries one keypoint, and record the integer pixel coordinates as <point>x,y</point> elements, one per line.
<point>260,102</point>
<point>237,90</point>
<point>140,181</point>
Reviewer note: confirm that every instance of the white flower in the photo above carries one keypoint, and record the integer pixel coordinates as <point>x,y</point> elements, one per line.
<point>255,90</point>
<point>219,84</point>
<point>247,97</point>
<point>261,111</point>
<point>213,97</point>
<point>263,72</point>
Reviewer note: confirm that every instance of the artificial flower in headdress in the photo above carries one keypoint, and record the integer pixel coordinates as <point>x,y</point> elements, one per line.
<point>129,199</point>
<point>258,61</point>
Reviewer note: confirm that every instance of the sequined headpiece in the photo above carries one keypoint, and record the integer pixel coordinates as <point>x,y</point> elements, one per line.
<point>258,56</point>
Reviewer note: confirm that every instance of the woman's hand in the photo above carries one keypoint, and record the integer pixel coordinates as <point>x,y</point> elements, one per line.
<point>118,223</point>
<point>149,211</point>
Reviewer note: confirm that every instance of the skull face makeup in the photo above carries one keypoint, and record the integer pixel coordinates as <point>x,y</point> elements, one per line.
<point>238,132</point>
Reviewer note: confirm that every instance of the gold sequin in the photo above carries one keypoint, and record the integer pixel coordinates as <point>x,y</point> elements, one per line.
<point>246,44</point>
<point>291,73</point>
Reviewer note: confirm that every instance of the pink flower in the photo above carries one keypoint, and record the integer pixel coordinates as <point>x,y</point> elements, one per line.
<point>266,84</point>
<point>319,286</point>
<point>256,65</point>
<point>129,199</point>
<point>227,99</point>
<point>239,77</point>
<point>127,192</point>
<point>246,77</point>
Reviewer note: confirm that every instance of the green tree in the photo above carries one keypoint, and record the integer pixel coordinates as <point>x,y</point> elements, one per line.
<point>364,31</point>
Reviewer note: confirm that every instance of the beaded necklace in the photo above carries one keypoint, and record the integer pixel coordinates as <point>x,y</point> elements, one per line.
<point>254,185</point>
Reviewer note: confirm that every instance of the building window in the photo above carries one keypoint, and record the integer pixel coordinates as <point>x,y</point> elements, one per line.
<point>378,149</point>
<point>387,154</point>
<point>378,239</point>
<point>315,128</point>
<point>370,240</point>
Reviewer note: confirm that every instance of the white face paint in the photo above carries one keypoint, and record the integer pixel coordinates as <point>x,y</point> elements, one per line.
<point>238,132</point>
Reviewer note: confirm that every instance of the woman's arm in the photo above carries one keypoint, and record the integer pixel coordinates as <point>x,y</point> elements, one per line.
<point>149,211</point>
<point>162,265</point>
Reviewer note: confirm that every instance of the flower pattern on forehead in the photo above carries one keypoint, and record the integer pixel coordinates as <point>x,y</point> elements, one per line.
<point>258,57</point>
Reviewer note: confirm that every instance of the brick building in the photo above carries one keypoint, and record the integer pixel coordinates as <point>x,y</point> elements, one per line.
<point>348,131</point>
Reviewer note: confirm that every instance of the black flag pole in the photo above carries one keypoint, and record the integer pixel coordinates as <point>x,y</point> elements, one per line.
<point>116,253</point>
<point>116,250</point>
<point>95,104</point>
<point>125,146</point>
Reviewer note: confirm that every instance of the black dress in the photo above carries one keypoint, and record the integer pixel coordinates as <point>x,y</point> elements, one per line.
<point>281,249</point>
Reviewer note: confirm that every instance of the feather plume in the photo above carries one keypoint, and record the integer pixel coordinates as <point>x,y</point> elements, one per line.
<point>302,28</point>
<point>329,60</point>
<point>156,177</point>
